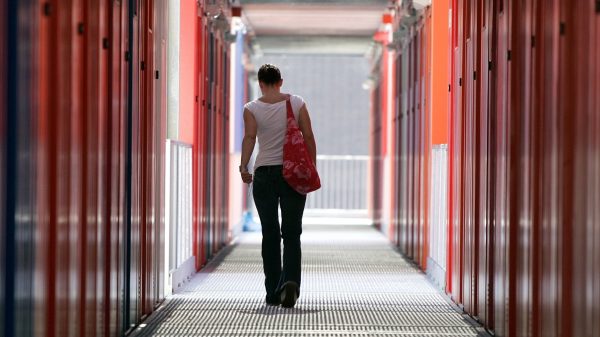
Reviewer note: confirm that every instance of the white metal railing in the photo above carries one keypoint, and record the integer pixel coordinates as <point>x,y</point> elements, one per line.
<point>178,213</point>
<point>438,214</point>
<point>343,184</point>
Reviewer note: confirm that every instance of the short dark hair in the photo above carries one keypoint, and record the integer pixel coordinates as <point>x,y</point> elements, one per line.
<point>269,74</point>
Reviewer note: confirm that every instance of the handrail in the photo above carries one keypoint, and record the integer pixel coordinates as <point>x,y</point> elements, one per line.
<point>344,183</point>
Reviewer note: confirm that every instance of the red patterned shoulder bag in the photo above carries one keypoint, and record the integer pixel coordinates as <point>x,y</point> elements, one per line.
<point>298,168</point>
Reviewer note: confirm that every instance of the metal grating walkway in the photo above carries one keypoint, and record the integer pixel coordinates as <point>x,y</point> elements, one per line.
<point>353,284</point>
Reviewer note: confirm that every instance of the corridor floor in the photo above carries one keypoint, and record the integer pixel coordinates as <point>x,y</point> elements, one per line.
<point>353,284</point>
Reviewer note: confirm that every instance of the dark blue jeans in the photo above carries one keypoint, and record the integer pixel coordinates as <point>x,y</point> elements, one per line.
<point>271,190</point>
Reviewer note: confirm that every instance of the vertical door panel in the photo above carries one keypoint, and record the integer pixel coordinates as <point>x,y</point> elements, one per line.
<point>3,142</point>
<point>78,185</point>
<point>457,154</point>
<point>17,231</point>
<point>594,212</point>
<point>196,167</point>
<point>395,190</point>
<point>410,149</point>
<point>418,143</point>
<point>577,147</point>
<point>203,127</point>
<point>403,120</point>
<point>119,163</point>
<point>468,238</point>
<point>148,172</point>
<point>419,123</point>
<point>133,183</point>
<point>567,116</point>
<point>537,154</point>
<point>159,140</point>
<point>62,172</point>
<point>45,258</point>
<point>223,150</point>
<point>549,185</point>
<point>501,221</point>
<point>94,137</point>
<point>412,116</point>
<point>520,171</point>
<point>484,154</point>
<point>426,139</point>
<point>452,87</point>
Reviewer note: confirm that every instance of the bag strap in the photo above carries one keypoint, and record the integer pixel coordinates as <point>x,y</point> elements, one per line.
<point>288,103</point>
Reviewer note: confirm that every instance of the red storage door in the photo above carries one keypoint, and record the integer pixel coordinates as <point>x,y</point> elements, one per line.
<point>61,129</point>
<point>221,147</point>
<point>469,157</point>
<point>521,170</point>
<point>217,128</point>
<point>224,188</point>
<point>198,149</point>
<point>376,170</point>
<point>483,221</point>
<point>402,148</point>
<point>158,160</point>
<point>220,172</point>
<point>114,244</point>
<point>75,132</point>
<point>78,191</point>
<point>568,116</point>
<point>205,148</point>
<point>133,180</point>
<point>576,63</point>
<point>225,221</point>
<point>549,280</point>
<point>405,155</point>
<point>418,142</point>
<point>210,132</point>
<point>145,176</point>
<point>455,248</point>
<point>146,186</point>
<point>452,86</point>
<point>501,213</point>
<point>426,101</point>
<point>406,143</point>
<point>408,250</point>
<point>95,150</point>
<point>537,85</point>
<point>151,153</point>
<point>213,131</point>
<point>395,153</point>
<point>81,182</point>
<point>414,144</point>
<point>154,28</point>
<point>594,213</point>
<point>201,144</point>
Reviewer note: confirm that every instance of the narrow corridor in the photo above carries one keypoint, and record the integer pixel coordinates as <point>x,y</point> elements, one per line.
<point>458,148</point>
<point>354,284</point>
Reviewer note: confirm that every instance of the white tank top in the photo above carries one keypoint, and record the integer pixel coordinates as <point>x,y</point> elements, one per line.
<point>271,121</point>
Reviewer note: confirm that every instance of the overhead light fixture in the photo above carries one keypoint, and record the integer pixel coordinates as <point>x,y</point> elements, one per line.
<point>220,22</point>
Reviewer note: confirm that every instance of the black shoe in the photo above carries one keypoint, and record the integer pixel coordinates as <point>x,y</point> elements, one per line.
<point>272,300</point>
<point>289,294</point>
